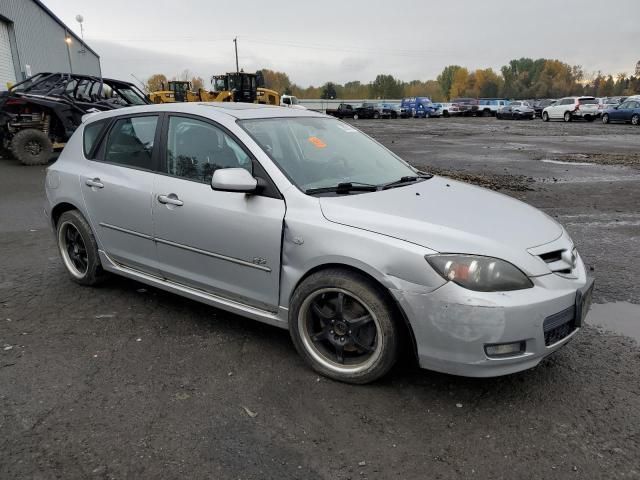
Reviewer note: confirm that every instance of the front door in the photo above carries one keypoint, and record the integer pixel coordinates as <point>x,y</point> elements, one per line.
<point>117,188</point>
<point>226,243</point>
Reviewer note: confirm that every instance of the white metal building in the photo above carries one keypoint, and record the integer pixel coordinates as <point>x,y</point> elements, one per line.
<point>34,40</point>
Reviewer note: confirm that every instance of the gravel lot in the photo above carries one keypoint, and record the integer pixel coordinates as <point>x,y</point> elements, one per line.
<point>126,381</point>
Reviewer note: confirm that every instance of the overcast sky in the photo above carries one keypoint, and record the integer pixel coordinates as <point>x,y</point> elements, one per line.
<point>342,40</point>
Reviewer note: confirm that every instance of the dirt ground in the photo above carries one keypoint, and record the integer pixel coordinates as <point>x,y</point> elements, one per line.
<point>125,381</point>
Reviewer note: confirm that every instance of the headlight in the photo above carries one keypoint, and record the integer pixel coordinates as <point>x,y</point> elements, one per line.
<point>482,274</point>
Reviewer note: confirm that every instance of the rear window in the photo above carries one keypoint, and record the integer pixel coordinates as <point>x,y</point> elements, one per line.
<point>91,136</point>
<point>588,101</point>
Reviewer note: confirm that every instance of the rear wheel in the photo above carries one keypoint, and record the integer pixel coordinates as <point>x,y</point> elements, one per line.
<point>78,248</point>
<point>605,118</point>
<point>545,117</point>
<point>635,120</point>
<point>589,118</point>
<point>567,116</point>
<point>355,116</point>
<point>376,115</point>
<point>31,147</point>
<point>445,113</point>
<point>343,326</point>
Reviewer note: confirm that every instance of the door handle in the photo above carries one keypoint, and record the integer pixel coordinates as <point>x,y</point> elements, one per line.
<point>171,199</point>
<point>94,182</point>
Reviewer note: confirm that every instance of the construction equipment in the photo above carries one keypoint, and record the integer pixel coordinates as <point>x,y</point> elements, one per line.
<point>175,91</point>
<point>231,87</point>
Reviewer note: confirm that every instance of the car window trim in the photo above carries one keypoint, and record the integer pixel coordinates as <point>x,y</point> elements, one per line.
<point>93,151</point>
<point>100,153</point>
<point>270,190</point>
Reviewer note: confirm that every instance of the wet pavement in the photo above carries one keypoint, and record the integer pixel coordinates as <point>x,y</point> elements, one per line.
<point>126,381</point>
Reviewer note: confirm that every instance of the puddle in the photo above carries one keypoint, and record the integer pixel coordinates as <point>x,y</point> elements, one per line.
<point>560,162</point>
<point>619,317</point>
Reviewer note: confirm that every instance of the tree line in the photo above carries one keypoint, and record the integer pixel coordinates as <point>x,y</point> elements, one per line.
<point>520,79</point>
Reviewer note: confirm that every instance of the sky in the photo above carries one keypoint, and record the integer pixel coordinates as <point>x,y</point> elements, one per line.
<point>344,40</point>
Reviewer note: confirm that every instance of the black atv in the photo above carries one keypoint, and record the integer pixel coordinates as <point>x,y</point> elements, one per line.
<point>42,112</point>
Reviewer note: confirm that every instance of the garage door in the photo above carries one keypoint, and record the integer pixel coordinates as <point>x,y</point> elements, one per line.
<point>7,73</point>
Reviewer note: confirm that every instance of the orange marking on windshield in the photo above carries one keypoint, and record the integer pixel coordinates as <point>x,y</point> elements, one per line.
<point>316,142</point>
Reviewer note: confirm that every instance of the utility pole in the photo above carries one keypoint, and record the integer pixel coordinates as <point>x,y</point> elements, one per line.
<point>235,41</point>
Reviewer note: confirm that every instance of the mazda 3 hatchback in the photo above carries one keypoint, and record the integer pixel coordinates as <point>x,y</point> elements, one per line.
<point>301,221</point>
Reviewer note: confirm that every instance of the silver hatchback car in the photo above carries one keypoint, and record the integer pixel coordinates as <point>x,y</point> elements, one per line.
<point>301,221</point>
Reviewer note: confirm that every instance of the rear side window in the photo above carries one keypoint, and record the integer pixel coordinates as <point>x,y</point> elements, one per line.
<point>91,134</point>
<point>130,142</point>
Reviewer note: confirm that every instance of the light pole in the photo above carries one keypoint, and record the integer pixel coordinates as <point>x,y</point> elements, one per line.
<point>80,19</point>
<point>67,40</point>
<point>235,42</point>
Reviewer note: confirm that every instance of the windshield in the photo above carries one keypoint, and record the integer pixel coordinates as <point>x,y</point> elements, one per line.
<point>131,95</point>
<point>323,152</point>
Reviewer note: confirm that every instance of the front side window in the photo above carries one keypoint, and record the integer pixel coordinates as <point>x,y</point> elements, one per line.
<point>196,149</point>
<point>322,152</point>
<point>130,142</point>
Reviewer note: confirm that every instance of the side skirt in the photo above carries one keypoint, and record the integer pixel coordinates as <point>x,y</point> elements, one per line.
<point>278,319</point>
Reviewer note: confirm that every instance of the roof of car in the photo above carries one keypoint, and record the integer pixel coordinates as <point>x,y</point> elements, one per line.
<point>241,111</point>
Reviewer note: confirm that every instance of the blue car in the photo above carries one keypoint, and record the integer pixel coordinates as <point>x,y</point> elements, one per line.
<point>627,111</point>
<point>419,107</point>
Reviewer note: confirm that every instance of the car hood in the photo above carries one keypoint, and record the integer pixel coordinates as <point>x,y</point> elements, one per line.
<point>450,217</point>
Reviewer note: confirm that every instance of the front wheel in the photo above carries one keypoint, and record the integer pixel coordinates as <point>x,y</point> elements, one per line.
<point>635,120</point>
<point>78,248</point>
<point>445,113</point>
<point>376,115</point>
<point>545,117</point>
<point>605,118</point>
<point>356,116</point>
<point>343,326</point>
<point>567,116</point>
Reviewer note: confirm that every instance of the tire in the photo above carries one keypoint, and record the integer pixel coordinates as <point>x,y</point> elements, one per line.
<point>545,117</point>
<point>445,113</point>
<point>366,355</point>
<point>605,118</point>
<point>356,116</point>
<point>635,120</point>
<point>79,249</point>
<point>376,115</point>
<point>498,116</point>
<point>567,117</point>
<point>31,147</point>
<point>589,118</point>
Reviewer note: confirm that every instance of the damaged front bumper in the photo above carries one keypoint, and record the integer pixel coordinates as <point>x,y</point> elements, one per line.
<point>454,328</point>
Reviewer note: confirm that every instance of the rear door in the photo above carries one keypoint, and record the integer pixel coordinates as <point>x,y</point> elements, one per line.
<point>117,187</point>
<point>225,243</point>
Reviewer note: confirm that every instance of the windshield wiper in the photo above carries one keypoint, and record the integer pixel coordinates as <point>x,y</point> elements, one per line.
<point>344,187</point>
<point>407,179</point>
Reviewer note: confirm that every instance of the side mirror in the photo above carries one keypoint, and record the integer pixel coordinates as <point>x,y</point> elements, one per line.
<point>233,180</point>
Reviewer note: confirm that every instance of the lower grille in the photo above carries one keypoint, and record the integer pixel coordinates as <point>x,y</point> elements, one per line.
<point>560,325</point>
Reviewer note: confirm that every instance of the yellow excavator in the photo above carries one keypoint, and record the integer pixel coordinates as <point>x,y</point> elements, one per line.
<point>230,87</point>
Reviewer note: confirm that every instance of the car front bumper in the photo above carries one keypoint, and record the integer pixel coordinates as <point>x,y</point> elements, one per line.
<point>452,326</point>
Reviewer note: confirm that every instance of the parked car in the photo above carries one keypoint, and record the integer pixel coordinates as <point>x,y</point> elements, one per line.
<point>608,102</point>
<point>449,109</point>
<point>570,108</point>
<point>368,110</point>
<point>488,107</point>
<point>344,110</point>
<point>419,107</point>
<point>540,105</point>
<point>293,218</point>
<point>45,110</point>
<point>627,111</point>
<point>391,110</point>
<point>468,106</point>
<point>517,110</point>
